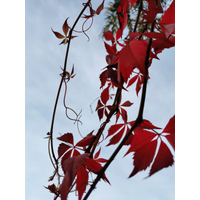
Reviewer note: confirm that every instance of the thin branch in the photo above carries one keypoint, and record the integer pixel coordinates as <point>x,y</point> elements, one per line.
<point>138,15</point>
<point>71,30</point>
<point>61,82</point>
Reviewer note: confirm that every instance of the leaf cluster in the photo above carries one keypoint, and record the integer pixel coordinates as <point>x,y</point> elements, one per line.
<point>128,63</point>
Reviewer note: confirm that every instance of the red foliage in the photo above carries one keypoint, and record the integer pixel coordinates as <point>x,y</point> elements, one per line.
<point>147,145</point>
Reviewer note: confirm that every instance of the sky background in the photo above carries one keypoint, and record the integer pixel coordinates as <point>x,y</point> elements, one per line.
<point>43,59</point>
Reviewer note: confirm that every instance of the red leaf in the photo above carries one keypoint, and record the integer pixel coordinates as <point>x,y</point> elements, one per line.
<point>68,137</point>
<point>132,55</point>
<point>62,149</point>
<point>94,167</point>
<point>123,114</point>
<point>97,154</point>
<point>109,49</point>
<point>110,59</point>
<point>140,138</point>
<point>99,105</point>
<point>75,153</point>
<point>105,95</point>
<point>52,188</point>
<point>143,157</point>
<point>153,10</point>
<point>112,74</point>
<point>170,128</point>
<point>148,125</point>
<point>122,11</point>
<point>100,113</point>
<point>116,138</point>
<point>109,36</point>
<point>70,167</point>
<point>132,80</point>
<point>101,160</point>
<point>58,35</point>
<point>65,27</point>
<point>169,15</point>
<point>114,128</point>
<point>132,2</point>
<point>163,159</point>
<point>86,141</point>
<point>127,104</point>
<point>103,78</point>
<point>100,8</point>
<point>82,181</point>
<point>66,156</point>
<point>139,83</point>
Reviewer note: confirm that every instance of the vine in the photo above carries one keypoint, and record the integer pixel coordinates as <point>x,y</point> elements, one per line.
<point>134,56</point>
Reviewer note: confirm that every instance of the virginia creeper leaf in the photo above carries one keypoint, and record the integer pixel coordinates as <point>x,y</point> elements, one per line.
<point>127,104</point>
<point>58,35</point>
<point>143,157</point>
<point>109,36</point>
<point>82,181</point>
<point>67,137</point>
<point>116,138</point>
<point>140,138</point>
<point>132,55</point>
<point>110,49</point>
<point>94,167</point>
<point>100,8</point>
<point>169,15</point>
<point>163,159</point>
<point>86,141</point>
<point>153,9</point>
<point>52,188</point>
<point>65,27</point>
<point>62,149</point>
<point>170,128</point>
<point>105,95</point>
<point>70,167</point>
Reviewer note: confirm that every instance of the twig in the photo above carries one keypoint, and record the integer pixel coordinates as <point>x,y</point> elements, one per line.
<point>138,15</point>
<point>61,82</point>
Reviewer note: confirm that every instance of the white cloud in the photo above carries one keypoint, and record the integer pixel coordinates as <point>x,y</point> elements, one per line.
<point>43,60</point>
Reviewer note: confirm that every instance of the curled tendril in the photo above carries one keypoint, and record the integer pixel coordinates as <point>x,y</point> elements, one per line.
<point>68,108</point>
<point>85,30</point>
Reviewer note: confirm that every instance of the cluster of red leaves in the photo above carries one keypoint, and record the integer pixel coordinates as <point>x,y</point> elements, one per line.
<point>103,109</point>
<point>121,65</point>
<point>144,143</point>
<point>133,53</point>
<point>149,147</point>
<point>75,164</point>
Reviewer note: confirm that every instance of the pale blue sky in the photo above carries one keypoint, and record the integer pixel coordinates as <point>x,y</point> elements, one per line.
<point>43,60</point>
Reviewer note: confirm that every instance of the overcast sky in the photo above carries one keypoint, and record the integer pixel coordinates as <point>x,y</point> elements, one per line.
<point>43,59</point>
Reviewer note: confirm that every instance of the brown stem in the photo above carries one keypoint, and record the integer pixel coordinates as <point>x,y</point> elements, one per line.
<point>62,79</point>
<point>138,15</point>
